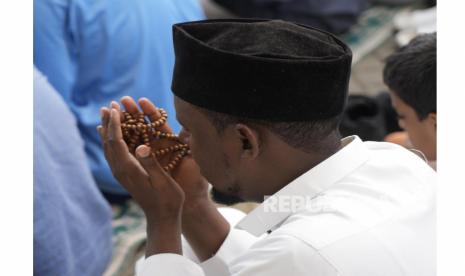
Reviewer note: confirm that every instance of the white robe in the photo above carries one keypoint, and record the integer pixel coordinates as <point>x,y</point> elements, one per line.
<point>367,210</point>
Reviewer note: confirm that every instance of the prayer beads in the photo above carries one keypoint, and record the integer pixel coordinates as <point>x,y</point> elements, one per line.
<point>139,131</point>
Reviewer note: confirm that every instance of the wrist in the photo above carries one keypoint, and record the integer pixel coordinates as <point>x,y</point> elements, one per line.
<point>164,236</point>
<point>196,207</point>
<point>204,227</point>
<point>162,222</point>
<point>164,214</point>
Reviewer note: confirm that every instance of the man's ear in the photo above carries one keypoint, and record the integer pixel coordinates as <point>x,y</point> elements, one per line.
<point>250,140</point>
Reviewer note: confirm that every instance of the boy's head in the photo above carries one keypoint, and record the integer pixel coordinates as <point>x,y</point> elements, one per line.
<point>410,74</point>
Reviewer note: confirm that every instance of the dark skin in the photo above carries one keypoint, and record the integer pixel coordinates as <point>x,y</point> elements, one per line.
<point>248,161</point>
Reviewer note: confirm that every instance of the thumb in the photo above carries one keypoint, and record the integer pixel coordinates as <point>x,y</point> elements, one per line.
<point>149,162</point>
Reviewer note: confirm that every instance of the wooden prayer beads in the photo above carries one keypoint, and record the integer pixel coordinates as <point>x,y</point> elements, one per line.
<point>139,131</point>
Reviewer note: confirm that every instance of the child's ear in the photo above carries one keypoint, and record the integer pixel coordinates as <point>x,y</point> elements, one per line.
<point>432,119</point>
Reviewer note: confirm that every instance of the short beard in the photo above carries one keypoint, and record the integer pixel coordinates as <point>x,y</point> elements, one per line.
<point>223,198</point>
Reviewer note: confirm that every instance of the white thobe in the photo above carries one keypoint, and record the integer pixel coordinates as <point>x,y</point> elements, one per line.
<point>370,211</point>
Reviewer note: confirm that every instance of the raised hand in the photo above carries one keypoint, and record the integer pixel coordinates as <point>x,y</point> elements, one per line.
<point>152,187</point>
<point>186,173</point>
<point>171,201</point>
<point>142,174</point>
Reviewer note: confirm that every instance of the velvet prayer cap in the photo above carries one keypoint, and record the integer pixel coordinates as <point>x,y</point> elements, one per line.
<point>261,69</point>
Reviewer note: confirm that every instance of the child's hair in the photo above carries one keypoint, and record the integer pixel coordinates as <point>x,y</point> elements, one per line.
<point>410,73</point>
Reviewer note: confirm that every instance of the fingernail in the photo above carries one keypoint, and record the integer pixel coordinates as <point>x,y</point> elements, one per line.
<point>143,151</point>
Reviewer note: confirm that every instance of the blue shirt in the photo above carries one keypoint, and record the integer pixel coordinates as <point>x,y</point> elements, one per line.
<point>72,221</point>
<point>96,51</point>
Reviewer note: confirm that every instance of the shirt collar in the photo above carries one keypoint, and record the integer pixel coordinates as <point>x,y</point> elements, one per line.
<point>352,155</point>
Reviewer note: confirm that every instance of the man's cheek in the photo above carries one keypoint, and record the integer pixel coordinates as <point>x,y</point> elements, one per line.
<point>199,155</point>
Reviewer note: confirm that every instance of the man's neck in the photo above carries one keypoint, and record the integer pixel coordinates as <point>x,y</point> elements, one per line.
<point>285,165</point>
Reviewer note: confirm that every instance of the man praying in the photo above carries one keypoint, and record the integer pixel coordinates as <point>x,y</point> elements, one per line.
<point>260,102</point>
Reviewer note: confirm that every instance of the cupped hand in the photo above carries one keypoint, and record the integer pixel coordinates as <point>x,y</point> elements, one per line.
<point>157,193</point>
<point>131,170</point>
<point>187,173</point>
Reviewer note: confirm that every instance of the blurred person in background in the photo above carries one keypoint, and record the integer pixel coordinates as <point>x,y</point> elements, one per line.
<point>410,74</point>
<point>370,118</point>
<point>335,16</point>
<point>96,51</point>
<point>72,220</point>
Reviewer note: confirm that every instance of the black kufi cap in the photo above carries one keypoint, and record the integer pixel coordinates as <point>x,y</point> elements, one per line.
<point>261,69</point>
